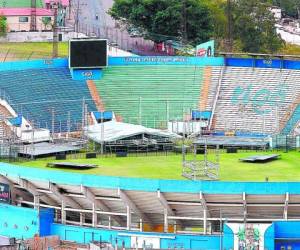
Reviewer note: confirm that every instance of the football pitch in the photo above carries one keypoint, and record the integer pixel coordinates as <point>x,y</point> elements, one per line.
<point>287,168</point>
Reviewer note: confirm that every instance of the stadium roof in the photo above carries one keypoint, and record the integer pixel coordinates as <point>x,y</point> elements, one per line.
<point>186,202</point>
<point>114,131</point>
<point>232,141</point>
<point>24,12</point>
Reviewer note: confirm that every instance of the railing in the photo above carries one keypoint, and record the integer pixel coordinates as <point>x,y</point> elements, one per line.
<point>216,98</point>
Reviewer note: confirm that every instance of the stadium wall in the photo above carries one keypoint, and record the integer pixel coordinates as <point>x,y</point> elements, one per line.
<point>24,223</point>
<point>160,60</point>
<point>150,185</point>
<point>20,222</point>
<point>167,241</point>
<point>116,61</point>
<point>262,63</point>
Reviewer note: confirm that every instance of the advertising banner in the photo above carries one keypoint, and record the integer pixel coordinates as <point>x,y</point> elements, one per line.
<point>4,193</point>
<point>206,49</point>
<point>248,236</point>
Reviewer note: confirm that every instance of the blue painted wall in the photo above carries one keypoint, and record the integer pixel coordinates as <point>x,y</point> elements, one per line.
<point>150,185</point>
<point>287,229</point>
<point>85,235</point>
<point>116,61</point>
<point>18,222</point>
<point>166,60</point>
<point>46,220</point>
<point>228,238</point>
<point>160,60</point>
<point>262,63</point>
<point>269,238</point>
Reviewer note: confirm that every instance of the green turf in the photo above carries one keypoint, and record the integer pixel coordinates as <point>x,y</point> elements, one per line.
<point>19,3</point>
<point>30,50</point>
<point>169,167</point>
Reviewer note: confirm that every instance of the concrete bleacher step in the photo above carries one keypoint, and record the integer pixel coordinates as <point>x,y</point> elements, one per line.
<point>155,90</point>
<point>229,116</point>
<point>48,91</point>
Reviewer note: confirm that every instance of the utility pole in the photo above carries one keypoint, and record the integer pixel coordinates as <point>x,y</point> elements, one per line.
<point>55,31</point>
<point>33,16</point>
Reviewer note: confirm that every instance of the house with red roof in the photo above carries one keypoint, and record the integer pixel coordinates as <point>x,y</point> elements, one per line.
<point>19,19</point>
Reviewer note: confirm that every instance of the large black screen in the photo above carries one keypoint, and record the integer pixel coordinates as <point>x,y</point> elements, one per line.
<point>88,53</point>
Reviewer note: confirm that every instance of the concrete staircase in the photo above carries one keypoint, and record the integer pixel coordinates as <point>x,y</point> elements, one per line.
<point>4,128</point>
<point>205,88</point>
<point>287,123</point>
<point>95,95</point>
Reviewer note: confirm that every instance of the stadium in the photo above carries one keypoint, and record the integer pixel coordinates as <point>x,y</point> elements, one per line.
<point>151,151</point>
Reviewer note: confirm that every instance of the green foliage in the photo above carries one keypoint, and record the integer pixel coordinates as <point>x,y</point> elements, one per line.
<point>3,25</point>
<point>290,49</point>
<point>254,27</point>
<point>161,20</point>
<point>290,7</point>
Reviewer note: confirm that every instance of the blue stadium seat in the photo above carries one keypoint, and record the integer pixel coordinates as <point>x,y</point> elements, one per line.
<point>35,93</point>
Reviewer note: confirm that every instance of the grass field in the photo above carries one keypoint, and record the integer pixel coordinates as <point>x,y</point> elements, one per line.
<point>30,50</point>
<point>169,167</point>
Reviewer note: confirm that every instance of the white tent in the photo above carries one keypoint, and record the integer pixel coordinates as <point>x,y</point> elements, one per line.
<point>113,131</point>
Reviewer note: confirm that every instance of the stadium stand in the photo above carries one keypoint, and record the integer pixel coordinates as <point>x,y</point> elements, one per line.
<point>256,99</point>
<point>37,93</point>
<point>152,94</point>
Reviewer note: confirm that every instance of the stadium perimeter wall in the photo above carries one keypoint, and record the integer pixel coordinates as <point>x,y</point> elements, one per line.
<point>160,60</point>
<point>262,63</point>
<point>116,61</point>
<point>149,185</point>
<point>20,222</point>
<point>14,219</point>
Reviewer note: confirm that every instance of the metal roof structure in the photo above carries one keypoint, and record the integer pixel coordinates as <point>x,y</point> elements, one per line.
<point>113,131</point>
<point>234,141</point>
<point>128,203</point>
<point>46,148</point>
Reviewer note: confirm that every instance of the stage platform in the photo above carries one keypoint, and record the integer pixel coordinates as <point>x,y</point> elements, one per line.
<point>47,148</point>
<point>260,158</point>
<point>70,165</point>
<point>232,141</point>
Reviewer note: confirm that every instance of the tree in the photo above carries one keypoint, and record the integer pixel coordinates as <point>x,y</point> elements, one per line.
<point>3,25</point>
<point>190,21</point>
<point>290,7</point>
<point>254,27</point>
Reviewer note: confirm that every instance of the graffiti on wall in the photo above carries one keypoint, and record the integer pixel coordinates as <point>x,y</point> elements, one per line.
<point>261,100</point>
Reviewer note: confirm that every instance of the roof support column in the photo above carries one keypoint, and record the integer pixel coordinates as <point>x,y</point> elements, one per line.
<point>63,212</point>
<point>166,226</point>
<point>94,215</point>
<point>82,219</point>
<point>128,217</point>
<point>36,201</point>
<point>286,205</point>
<point>109,222</point>
<point>205,221</point>
<point>141,225</point>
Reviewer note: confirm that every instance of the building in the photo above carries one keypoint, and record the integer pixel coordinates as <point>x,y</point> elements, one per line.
<point>19,19</point>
